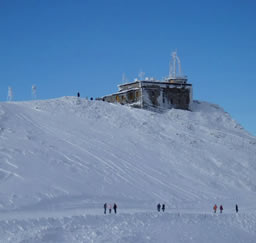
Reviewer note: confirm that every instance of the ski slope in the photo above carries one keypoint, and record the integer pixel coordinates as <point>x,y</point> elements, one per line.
<point>61,159</point>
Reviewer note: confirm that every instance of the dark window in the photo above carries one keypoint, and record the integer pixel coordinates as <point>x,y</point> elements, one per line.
<point>131,96</point>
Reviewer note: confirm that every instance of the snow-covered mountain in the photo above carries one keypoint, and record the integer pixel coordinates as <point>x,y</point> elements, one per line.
<point>61,159</point>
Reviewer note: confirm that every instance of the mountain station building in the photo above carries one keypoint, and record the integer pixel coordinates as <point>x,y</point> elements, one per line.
<point>172,92</point>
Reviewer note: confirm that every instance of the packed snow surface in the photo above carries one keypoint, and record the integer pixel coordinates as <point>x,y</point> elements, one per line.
<point>62,159</point>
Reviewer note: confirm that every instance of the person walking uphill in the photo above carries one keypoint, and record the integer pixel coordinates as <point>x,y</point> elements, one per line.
<point>215,208</point>
<point>115,207</point>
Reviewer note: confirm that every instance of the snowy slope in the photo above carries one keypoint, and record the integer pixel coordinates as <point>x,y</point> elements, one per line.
<point>61,158</point>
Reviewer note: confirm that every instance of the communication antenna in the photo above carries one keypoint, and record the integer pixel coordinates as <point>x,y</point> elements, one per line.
<point>124,78</point>
<point>173,66</point>
<point>33,91</point>
<point>141,75</point>
<point>10,94</point>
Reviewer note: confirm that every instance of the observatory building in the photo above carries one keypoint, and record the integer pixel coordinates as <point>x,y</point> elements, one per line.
<point>172,92</point>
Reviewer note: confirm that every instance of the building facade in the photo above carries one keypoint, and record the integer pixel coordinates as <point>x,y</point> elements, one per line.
<point>153,94</point>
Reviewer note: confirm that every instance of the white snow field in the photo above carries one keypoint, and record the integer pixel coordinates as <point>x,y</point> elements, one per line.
<point>62,159</point>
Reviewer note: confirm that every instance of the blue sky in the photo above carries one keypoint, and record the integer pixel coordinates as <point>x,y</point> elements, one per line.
<point>67,46</point>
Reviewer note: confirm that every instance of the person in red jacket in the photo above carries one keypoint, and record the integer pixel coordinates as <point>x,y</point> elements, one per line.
<point>215,208</point>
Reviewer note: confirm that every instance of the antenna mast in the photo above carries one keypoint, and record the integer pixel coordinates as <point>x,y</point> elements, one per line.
<point>141,75</point>
<point>173,66</point>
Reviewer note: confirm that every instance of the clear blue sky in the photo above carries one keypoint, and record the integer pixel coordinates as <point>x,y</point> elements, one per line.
<point>86,45</point>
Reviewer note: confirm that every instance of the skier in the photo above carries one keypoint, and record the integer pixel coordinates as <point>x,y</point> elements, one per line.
<point>105,208</point>
<point>221,208</point>
<point>158,207</point>
<point>78,94</point>
<point>115,207</point>
<point>215,208</point>
<point>163,207</point>
<point>109,208</point>
<point>236,208</point>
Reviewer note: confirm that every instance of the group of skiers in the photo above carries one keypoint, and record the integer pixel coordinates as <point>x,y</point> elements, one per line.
<point>159,207</point>
<point>221,208</point>
<point>109,207</point>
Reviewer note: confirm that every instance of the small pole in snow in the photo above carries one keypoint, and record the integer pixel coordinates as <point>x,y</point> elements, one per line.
<point>33,92</point>
<point>10,94</point>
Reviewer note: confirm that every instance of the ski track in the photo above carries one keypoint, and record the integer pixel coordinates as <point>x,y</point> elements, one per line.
<point>108,163</point>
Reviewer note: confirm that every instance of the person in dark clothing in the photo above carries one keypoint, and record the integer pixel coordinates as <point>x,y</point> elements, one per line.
<point>221,208</point>
<point>105,208</point>
<point>115,207</point>
<point>236,208</point>
<point>91,98</point>
<point>158,207</point>
<point>163,207</point>
<point>109,208</point>
<point>78,94</point>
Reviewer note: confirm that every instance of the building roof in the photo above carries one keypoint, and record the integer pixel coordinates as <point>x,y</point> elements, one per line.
<point>146,83</point>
